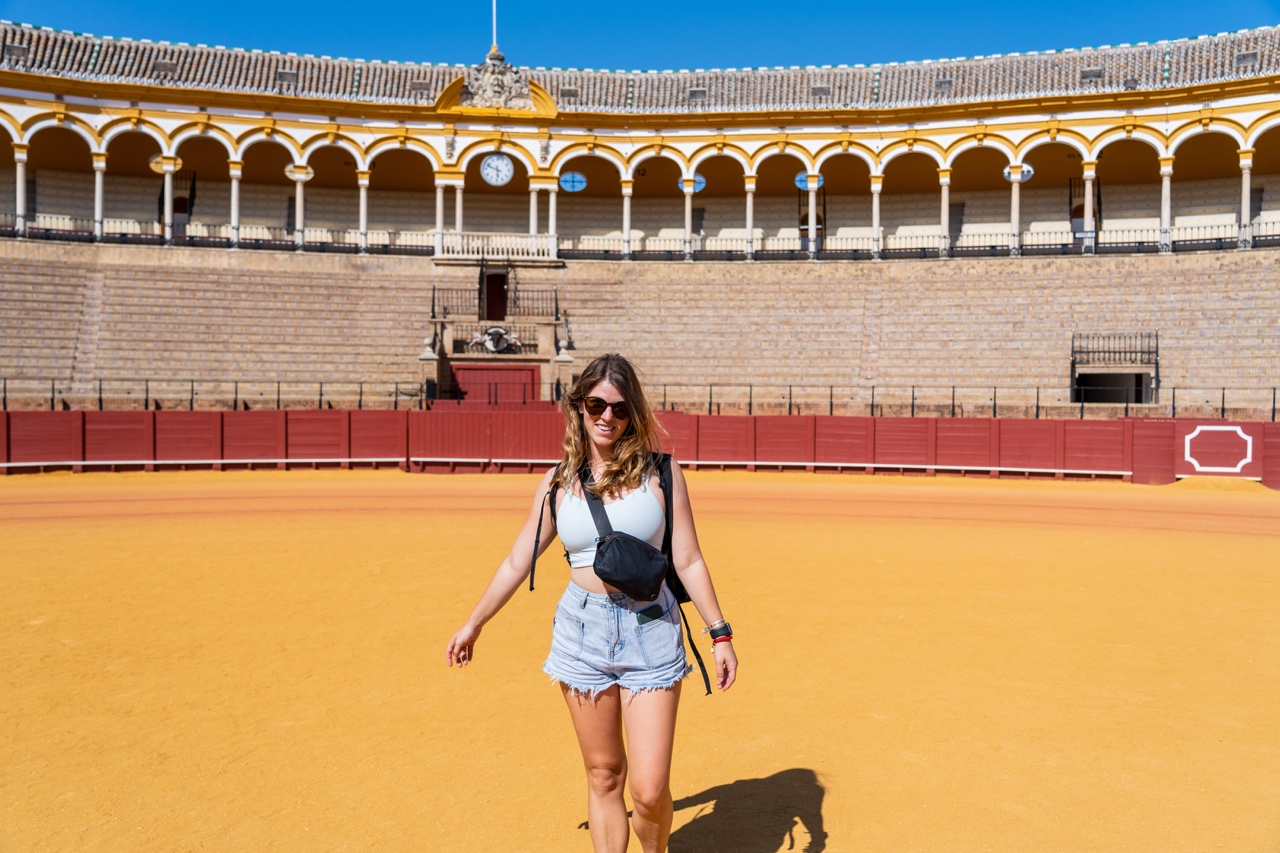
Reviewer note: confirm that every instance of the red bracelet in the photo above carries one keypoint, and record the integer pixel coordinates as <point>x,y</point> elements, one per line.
<point>723,639</point>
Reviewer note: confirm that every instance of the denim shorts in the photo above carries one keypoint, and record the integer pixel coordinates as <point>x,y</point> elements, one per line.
<point>598,641</point>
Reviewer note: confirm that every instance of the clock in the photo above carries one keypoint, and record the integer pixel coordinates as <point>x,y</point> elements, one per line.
<point>497,170</point>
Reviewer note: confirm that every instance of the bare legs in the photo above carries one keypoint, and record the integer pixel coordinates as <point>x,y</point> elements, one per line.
<point>649,718</point>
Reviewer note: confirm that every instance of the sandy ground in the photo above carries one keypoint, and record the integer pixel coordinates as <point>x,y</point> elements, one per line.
<point>253,661</point>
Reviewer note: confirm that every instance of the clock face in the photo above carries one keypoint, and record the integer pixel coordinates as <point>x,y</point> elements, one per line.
<point>497,169</point>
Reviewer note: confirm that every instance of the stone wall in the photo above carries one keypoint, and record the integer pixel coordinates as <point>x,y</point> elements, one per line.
<point>127,311</point>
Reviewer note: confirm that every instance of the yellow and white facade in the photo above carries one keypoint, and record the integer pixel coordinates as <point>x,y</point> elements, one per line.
<point>1132,148</point>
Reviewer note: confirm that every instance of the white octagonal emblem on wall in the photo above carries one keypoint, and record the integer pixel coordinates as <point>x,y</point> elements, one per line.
<point>1246,454</point>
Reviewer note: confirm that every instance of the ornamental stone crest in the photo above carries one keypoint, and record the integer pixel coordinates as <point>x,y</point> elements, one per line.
<point>496,83</point>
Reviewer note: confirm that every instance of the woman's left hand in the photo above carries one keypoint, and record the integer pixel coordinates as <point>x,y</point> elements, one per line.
<point>726,665</point>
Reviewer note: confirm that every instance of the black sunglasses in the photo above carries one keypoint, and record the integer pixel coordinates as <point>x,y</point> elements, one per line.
<point>596,406</point>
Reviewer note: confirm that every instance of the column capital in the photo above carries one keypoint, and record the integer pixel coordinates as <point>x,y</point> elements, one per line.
<point>687,184</point>
<point>544,184</point>
<point>877,183</point>
<point>1166,165</point>
<point>1090,168</point>
<point>20,150</point>
<point>168,163</point>
<point>1015,173</point>
<point>362,177</point>
<point>750,182</point>
<point>235,167</point>
<point>626,187</point>
<point>99,161</point>
<point>300,173</point>
<point>944,177</point>
<point>1246,158</point>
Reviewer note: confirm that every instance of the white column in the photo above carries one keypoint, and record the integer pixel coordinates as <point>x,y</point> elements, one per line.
<point>457,208</point>
<point>944,182</point>
<point>439,236</point>
<point>99,191</point>
<point>235,166</point>
<point>688,218</point>
<point>299,214</point>
<point>813,217</point>
<point>1090,224</point>
<point>362,180</point>
<point>169,168</point>
<point>1015,209</point>
<point>877,183</point>
<point>20,189</point>
<point>1245,238</point>
<point>626,219</point>
<point>751,217</point>
<point>551,212</point>
<point>1166,204</point>
<point>533,210</point>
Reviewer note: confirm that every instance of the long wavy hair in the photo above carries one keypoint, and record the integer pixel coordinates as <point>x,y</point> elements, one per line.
<point>632,461</point>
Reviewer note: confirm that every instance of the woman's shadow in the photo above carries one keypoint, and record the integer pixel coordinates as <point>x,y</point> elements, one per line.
<point>754,816</point>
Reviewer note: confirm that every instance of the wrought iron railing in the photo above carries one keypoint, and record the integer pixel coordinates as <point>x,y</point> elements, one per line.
<point>1254,403</point>
<point>1115,349</point>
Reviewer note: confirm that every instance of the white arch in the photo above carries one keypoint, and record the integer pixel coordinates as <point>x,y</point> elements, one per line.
<point>771,150</point>
<point>376,152</point>
<point>970,144</point>
<point>194,133</point>
<point>612,158</point>
<point>650,154</point>
<point>1070,141</point>
<point>509,148</point>
<point>1219,129</point>
<point>1269,124</point>
<point>731,153</point>
<point>1139,134</point>
<point>345,145</point>
<point>68,125</point>
<point>259,137</point>
<point>123,128</point>
<point>836,152</point>
<point>903,150</point>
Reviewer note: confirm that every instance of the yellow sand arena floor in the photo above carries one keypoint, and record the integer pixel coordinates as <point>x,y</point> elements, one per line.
<point>254,661</point>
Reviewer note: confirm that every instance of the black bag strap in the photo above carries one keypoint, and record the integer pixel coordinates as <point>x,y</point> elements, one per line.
<point>663,461</point>
<point>594,502</point>
<point>550,497</point>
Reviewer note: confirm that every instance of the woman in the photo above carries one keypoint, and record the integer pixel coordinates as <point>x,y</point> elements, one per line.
<point>619,662</point>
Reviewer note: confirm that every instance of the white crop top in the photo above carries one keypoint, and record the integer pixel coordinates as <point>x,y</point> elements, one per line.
<point>638,514</point>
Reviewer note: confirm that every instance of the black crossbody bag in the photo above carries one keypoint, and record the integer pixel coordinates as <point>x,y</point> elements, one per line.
<point>629,564</point>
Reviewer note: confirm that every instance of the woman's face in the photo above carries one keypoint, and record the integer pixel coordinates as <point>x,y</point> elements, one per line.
<point>604,429</point>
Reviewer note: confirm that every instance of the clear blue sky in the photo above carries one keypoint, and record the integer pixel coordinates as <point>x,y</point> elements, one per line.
<point>649,35</point>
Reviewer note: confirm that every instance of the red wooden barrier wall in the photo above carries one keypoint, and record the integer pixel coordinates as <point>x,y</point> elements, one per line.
<point>184,436</point>
<point>254,435</point>
<point>379,435</point>
<point>1151,450</point>
<point>1271,456</point>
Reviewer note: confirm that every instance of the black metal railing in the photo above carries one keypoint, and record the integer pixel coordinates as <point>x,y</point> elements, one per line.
<point>1115,348</point>
<point>1255,403</point>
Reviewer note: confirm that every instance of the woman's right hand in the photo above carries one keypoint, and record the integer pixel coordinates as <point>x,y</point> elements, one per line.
<point>462,646</point>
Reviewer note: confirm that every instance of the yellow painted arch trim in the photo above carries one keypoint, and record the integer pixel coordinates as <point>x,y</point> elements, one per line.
<point>581,149</point>
<point>69,121</point>
<point>837,149</point>
<point>392,143</point>
<point>256,135</point>
<point>1218,125</point>
<point>1043,137</point>
<point>660,150</point>
<point>1145,133</point>
<point>208,129</point>
<point>497,143</point>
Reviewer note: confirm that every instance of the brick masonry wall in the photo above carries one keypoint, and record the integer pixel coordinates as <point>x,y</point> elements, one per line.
<point>997,321</point>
